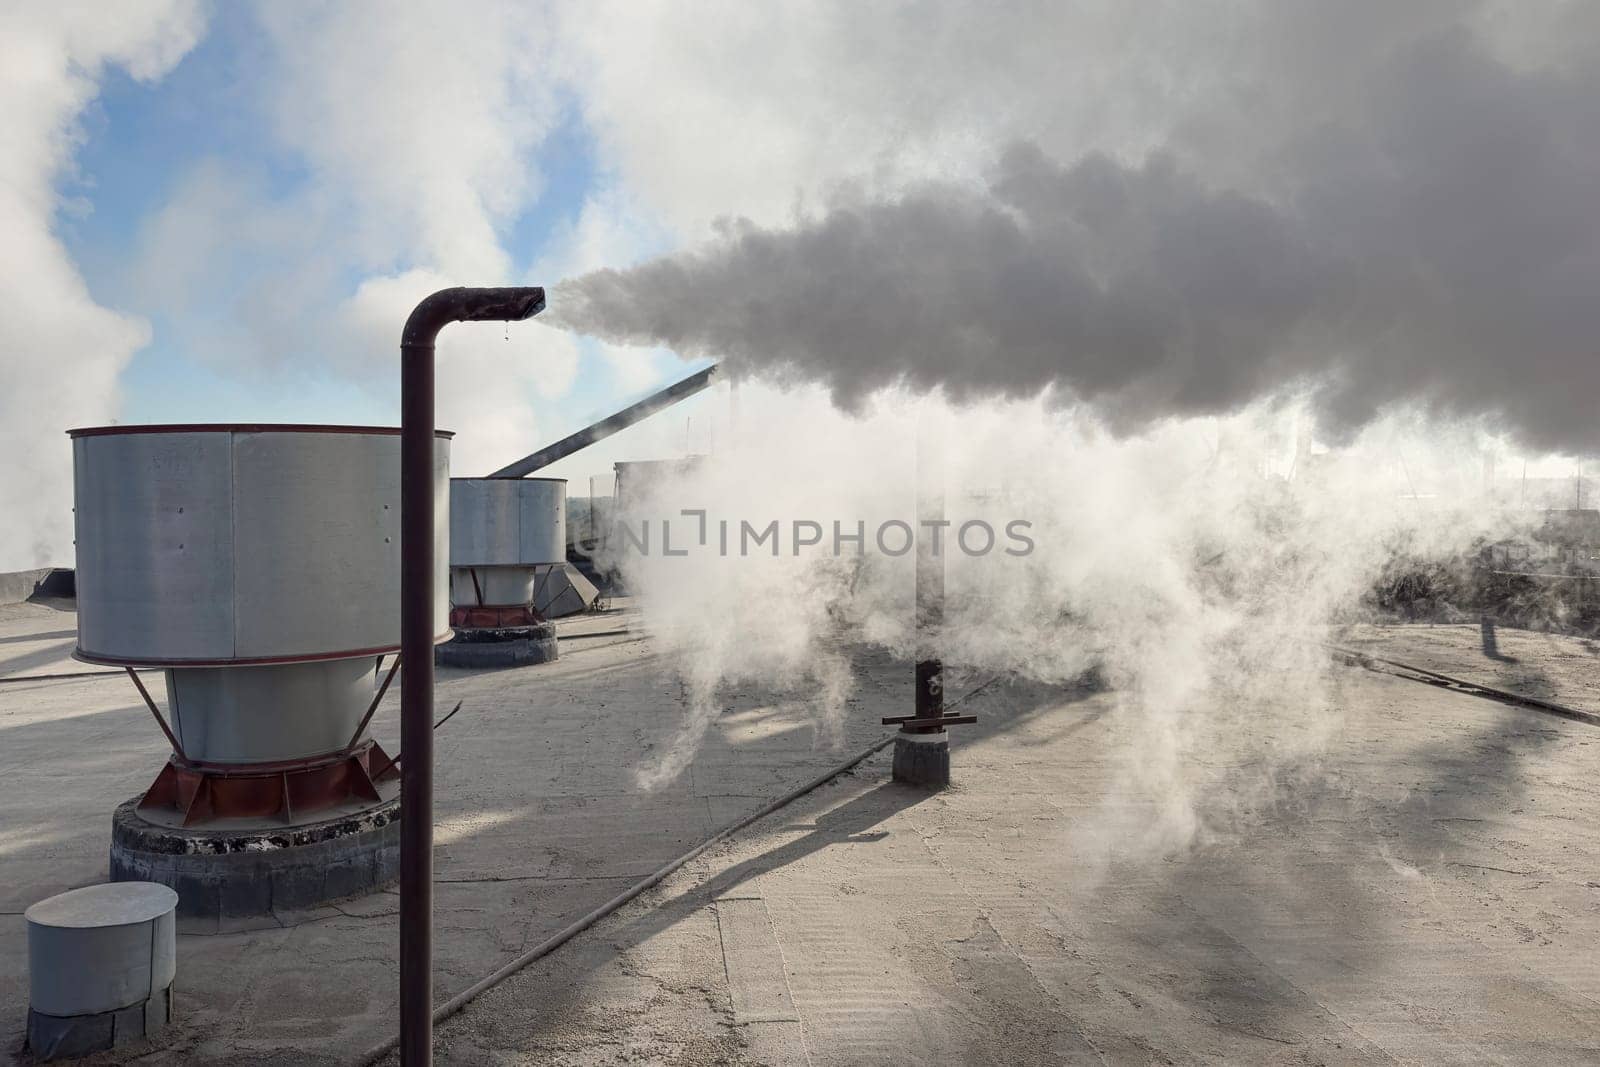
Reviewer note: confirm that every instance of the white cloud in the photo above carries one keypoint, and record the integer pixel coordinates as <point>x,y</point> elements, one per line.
<point>421,127</point>
<point>63,350</point>
<point>420,119</point>
<point>416,125</point>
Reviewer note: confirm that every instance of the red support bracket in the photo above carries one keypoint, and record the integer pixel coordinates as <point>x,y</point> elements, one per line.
<point>202,792</point>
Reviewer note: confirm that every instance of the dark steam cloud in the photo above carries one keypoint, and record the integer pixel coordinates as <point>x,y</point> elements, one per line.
<point>1435,243</point>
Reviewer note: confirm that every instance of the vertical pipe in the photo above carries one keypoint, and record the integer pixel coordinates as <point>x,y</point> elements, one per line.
<point>417,522</point>
<point>416,702</point>
<point>931,546</point>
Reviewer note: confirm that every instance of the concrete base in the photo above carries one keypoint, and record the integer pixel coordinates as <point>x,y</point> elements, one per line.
<point>52,1037</point>
<point>17,586</point>
<point>510,646</point>
<point>922,759</point>
<point>226,872</point>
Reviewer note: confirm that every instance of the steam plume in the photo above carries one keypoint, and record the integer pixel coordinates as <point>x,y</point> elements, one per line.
<point>1442,251</point>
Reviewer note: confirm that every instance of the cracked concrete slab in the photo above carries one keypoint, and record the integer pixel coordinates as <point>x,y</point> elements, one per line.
<point>753,961</point>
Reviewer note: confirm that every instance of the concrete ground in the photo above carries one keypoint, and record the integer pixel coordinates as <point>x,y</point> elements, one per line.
<point>1431,895</point>
<point>1548,666</point>
<point>1427,891</point>
<point>539,821</point>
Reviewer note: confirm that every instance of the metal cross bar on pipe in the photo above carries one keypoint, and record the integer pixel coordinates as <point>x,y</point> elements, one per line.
<point>433,314</point>
<point>599,431</point>
<point>394,760</point>
<point>151,704</point>
<point>911,722</point>
<point>372,708</point>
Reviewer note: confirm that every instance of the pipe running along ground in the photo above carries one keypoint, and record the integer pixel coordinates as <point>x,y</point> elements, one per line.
<point>568,932</point>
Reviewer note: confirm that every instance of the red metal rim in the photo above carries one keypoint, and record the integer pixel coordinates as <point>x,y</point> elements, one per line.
<point>240,770</point>
<point>241,427</point>
<point>86,656</point>
<point>494,616</point>
<point>563,481</point>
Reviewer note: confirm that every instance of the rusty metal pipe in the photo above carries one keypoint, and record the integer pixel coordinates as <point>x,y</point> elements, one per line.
<point>433,314</point>
<point>929,699</point>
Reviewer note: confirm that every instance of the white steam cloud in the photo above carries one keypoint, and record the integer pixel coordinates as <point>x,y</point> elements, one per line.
<point>1196,566</point>
<point>1444,253</point>
<point>1066,220</point>
<point>1142,252</point>
<point>62,349</point>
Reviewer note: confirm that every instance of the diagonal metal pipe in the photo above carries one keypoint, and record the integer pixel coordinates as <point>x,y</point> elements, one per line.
<point>417,519</point>
<point>599,431</point>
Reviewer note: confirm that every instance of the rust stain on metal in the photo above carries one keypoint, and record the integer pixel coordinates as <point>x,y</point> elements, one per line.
<point>202,792</point>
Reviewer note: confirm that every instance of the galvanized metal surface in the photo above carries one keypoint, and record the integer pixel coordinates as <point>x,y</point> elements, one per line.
<point>101,948</point>
<point>473,586</point>
<point>501,522</point>
<point>270,713</point>
<point>234,545</point>
<point>563,591</point>
<point>155,562</point>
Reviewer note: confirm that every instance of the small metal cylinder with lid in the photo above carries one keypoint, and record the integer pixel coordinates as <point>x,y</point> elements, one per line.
<point>101,963</point>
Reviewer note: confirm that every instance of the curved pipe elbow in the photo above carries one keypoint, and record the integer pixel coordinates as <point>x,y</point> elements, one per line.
<point>460,304</point>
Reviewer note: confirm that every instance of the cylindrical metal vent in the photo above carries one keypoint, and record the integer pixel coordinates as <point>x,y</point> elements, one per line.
<point>267,714</point>
<point>504,532</point>
<point>261,566</point>
<point>232,545</point>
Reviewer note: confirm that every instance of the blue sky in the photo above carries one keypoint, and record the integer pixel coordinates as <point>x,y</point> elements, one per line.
<point>140,141</point>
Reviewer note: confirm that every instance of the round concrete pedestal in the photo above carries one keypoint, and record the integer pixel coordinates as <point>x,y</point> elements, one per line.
<point>922,759</point>
<point>101,961</point>
<point>503,646</point>
<point>232,871</point>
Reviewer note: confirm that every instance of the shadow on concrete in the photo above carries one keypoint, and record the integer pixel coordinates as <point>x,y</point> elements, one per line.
<point>1488,642</point>
<point>52,635</point>
<point>1471,776</point>
<point>849,823</point>
<point>1480,768</point>
<point>56,653</point>
<point>854,822</point>
<point>1332,857</point>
